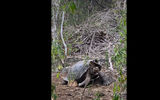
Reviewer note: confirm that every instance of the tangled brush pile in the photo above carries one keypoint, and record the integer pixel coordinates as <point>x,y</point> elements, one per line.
<point>93,36</point>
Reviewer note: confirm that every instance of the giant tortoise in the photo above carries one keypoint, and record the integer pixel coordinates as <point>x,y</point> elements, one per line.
<point>84,72</point>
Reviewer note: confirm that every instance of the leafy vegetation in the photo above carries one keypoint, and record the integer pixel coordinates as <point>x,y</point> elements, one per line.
<point>120,58</point>
<point>53,91</point>
<point>57,54</point>
<point>120,49</point>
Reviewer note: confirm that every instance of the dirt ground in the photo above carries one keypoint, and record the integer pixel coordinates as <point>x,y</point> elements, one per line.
<point>65,92</point>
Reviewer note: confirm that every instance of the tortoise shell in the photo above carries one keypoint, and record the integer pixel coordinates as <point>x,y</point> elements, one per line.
<point>78,70</point>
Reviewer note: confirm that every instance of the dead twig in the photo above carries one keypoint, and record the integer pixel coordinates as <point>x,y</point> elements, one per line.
<point>91,42</point>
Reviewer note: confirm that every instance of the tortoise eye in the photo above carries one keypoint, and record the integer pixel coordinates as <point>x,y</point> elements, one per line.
<point>96,61</point>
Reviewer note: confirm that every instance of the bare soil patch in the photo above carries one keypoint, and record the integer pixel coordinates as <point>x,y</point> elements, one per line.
<point>65,92</point>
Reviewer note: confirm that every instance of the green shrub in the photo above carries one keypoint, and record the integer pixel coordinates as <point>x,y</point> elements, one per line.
<point>120,58</point>
<point>57,54</point>
<point>53,91</point>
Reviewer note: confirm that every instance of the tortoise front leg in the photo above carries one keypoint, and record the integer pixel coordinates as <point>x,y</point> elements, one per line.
<point>86,81</point>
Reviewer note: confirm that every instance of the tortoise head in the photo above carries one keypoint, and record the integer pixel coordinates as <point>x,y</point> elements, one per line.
<point>94,66</point>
